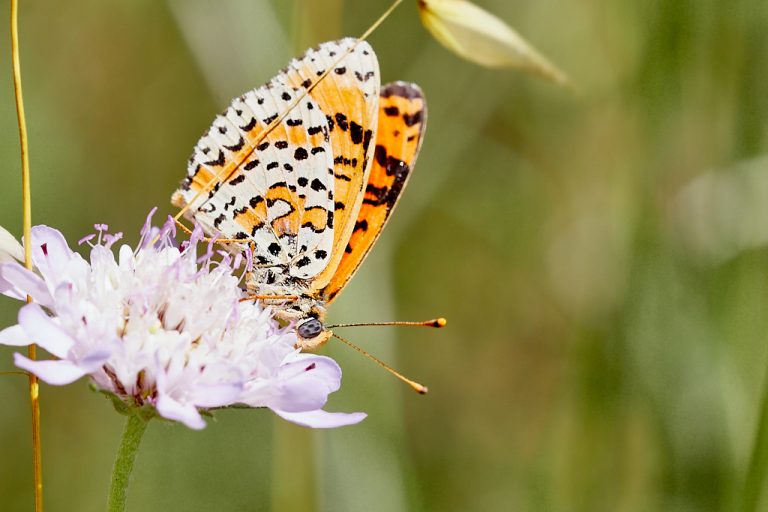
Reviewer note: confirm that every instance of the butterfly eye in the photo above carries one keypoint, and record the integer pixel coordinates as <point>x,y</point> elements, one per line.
<point>310,328</point>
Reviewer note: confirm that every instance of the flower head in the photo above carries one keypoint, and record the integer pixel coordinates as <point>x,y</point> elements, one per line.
<point>162,326</point>
<point>478,36</point>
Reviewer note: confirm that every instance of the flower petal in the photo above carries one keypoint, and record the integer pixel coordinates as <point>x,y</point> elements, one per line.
<point>18,282</point>
<point>304,383</point>
<point>10,248</point>
<point>94,360</point>
<point>481,37</point>
<point>44,331</point>
<point>50,252</point>
<point>16,336</point>
<point>322,419</point>
<point>56,373</point>
<point>174,410</point>
<point>217,395</point>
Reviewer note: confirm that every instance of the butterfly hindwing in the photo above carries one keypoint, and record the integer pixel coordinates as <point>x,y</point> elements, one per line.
<point>348,96</point>
<point>263,189</point>
<point>293,193</point>
<point>401,125</point>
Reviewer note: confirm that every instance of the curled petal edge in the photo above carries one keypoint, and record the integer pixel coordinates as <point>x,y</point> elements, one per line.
<point>322,419</point>
<point>187,414</point>
<point>15,336</point>
<point>44,331</point>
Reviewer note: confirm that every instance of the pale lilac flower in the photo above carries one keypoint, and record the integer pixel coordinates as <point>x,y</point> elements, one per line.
<point>161,326</point>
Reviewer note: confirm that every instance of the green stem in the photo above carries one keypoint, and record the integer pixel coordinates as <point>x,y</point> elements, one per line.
<point>758,463</point>
<point>126,456</point>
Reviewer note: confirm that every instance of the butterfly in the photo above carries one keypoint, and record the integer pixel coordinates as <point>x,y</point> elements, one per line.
<point>304,172</point>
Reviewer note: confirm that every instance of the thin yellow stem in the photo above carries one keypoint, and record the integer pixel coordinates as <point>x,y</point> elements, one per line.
<point>34,385</point>
<point>381,19</point>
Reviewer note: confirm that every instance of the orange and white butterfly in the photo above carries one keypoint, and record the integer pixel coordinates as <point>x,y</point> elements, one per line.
<point>311,196</point>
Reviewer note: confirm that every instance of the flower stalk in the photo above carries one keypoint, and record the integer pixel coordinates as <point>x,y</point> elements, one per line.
<point>34,385</point>
<point>126,456</point>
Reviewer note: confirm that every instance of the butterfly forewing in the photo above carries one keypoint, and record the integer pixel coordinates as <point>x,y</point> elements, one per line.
<point>262,183</point>
<point>401,125</point>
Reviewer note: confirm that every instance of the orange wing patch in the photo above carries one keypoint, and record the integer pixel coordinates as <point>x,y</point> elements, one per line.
<point>401,125</point>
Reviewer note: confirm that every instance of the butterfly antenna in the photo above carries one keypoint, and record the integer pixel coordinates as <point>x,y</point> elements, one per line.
<point>435,322</point>
<point>419,388</point>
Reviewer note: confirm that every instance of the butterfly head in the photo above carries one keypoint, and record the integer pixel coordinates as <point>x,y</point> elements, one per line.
<point>312,333</point>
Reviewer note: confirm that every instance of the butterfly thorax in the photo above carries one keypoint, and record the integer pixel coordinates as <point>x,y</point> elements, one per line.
<point>303,309</point>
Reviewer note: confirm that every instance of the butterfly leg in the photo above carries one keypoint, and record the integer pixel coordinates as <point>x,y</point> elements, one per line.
<point>288,298</point>
<point>222,241</point>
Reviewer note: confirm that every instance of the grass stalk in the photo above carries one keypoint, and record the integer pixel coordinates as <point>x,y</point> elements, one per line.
<point>34,385</point>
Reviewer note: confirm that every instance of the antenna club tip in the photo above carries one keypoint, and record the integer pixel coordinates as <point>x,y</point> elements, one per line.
<point>440,322</point>
<point>422,390</point>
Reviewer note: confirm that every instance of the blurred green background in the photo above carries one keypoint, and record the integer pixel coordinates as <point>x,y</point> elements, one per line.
<point>601,257</point>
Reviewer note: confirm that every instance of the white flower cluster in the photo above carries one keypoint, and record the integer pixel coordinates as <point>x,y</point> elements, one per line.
<point>162,326</point>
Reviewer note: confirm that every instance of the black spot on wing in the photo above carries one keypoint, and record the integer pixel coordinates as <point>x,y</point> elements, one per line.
<point>392,166</point>
<point>218,161</point>
<point>236,147</point>
<point>341,121</point>
<point>415,118</point>
<point>392,111</point>
<point>367,141</point>
<point>356,132</point>
<point>345,161</point>
<point>342,177</point>
<point>250,126</point>
<point>229,203</point>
